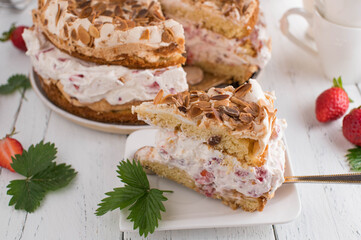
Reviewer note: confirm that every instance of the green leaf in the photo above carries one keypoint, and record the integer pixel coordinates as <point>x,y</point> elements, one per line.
<point>145,213</point>
<point>55,176</point>
<point>145,203</point>
<point>133,174</point>
<point>6,35</point>
<point>354,158</point>
<point>15,82</point>
<point>35,160</point>
<point>119,198</point>
<point>338,83</point>
<point>27,194</point>
<point>42,175</point>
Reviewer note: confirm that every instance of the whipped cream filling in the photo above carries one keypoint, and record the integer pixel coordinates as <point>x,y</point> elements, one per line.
<point>89,82</point>
<point>205,45</point>
<point>214,172</point>
<point>109,36</point>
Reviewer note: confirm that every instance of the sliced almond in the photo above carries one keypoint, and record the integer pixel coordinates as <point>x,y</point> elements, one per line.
<point>167,35</point>
<point>186,100</point>
<point>175,101</point>
<point>83,35</point>
<point>220,97</point>
<point>241,91</point>
<point>57,15</point>
<point>93,31</point>
<point>194,74</point>
<point>74,35</point>
<point>121,24</point>
<point>203,105</point>
<point>86,12</point>
<point>232,112</point>
<point>145,35</point>
<point>167,99</point>
<point>159,97</point>
<point>204,97</point>
<point>142,13</point>
<point>239,102</point>
<point>253,109</point>
<point>220,103</point>
<point>66,31</point>
<point>118,11</point>
<point>245,118</point>
<point>194,111</point>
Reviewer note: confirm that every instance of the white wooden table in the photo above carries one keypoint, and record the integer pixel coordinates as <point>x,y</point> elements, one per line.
<point>328,211</point>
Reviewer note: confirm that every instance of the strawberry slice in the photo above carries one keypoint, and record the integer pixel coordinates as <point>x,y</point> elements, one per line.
<point>9,147</point>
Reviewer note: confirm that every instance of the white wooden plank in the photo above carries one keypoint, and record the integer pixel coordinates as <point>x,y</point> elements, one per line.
<point>250,233</point>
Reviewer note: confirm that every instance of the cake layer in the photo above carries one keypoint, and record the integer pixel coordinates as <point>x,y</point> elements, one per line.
<point>134,34</point>
<point>194,164</point>
<point>237,57</point>
<point>87,83</point>
<point>114,114</point>
<point>238,121</point>
<point>230,18</point>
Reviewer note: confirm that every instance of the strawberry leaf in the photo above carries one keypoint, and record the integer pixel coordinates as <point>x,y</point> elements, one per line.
<point>119,198</point>
<point>132,174</point>
<point>145,204</point>
<point>42,175</point>
<point>6,35</point>
<point>354,158</point>
<point>27,195</point>
<point>35,160</point>
<point>15,82</point>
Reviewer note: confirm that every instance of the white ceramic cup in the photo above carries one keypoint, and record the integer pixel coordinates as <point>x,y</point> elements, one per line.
<point>338,47</point>
<point>308,5</point>
<point>343,12</point>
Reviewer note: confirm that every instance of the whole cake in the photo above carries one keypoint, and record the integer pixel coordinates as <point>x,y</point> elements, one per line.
<point>226,143</point>
<point>96,59</point>
<point>223,37</point>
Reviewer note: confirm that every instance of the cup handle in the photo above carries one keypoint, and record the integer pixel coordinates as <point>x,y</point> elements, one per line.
<point>285,28</point>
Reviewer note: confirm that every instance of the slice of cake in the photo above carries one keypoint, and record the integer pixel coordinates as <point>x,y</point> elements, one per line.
<point>226,38</point>
<point>133,33</point>
<point>225,144</point>
<point>236,121</point>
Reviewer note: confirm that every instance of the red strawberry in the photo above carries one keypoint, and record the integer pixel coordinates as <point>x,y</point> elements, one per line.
<point>9,147</point>
<point>332,103</point>
<point>15,35</point>
<point>351,126</point>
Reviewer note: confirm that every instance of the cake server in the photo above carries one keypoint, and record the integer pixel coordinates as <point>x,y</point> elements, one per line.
<point>333,178</point>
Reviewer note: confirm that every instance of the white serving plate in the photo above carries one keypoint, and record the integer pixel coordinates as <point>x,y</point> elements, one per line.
<point>187,209</point>
<point>104,127</point>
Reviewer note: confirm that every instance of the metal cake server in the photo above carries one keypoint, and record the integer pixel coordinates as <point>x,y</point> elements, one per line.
<point>333,178</point>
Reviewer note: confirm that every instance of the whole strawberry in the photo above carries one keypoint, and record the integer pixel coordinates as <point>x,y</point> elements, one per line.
<point>15,35</point>
<point>351,126</point>
<point>332,103</point>
<point>9,147</point>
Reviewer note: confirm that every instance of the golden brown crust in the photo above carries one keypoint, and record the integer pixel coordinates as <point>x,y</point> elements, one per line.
<point>238,200</point>
<point>123,115</point>
<point>77,28</point>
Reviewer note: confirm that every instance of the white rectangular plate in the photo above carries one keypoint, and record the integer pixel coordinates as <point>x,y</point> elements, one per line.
<point>187,209</point>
